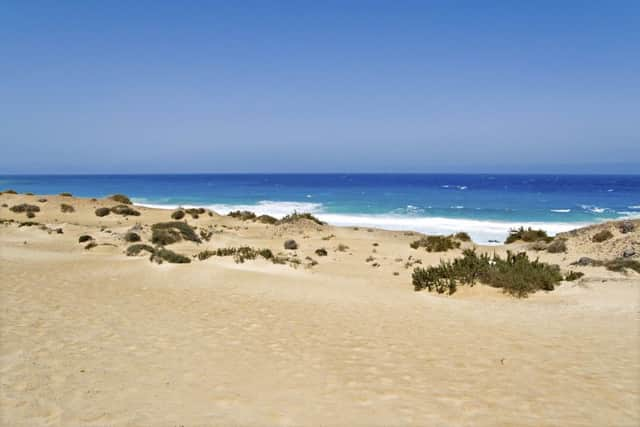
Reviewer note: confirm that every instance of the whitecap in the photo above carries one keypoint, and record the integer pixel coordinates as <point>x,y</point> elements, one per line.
<point>561,210</point>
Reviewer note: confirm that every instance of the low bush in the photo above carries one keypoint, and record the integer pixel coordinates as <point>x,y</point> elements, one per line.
<point>195,212</point>
<point>295,217</point>
<point>436,243</point>
<point>602,236</point>
<point>90,245</point>
<point>573,275</point>
<point>121,198</point>
<point>621,265</point>
<point>65,208</point>
<point>84,238</point>
<point>130,236</point>
<point>28,193</point>
<point>267,219</point>
<point>321,252</point>
<point>65,194</point>
<point>31,214</point>
<point>206,235</point>
<point>528,235</point>
<point>462,236</point>
<point>160,255</point>
<point>43,200</point>
<point>291,244</point>
<point>557,246</point>
<point>136,249</point>
<point>342,248</point>
<point>103,212</point>
<point>179,214</point>
<point>10,192</point>
<point>166,233</point>
<point>242,215</point>
<point>24,208</point>
<point>516,274</point>
<point>240,255</point>
<point>124,210</point>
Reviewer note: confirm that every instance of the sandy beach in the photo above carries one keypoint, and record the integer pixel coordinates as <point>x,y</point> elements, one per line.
<point>93,337</point>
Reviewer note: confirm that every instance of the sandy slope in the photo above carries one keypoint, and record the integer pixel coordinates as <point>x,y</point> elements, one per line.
<point>92,337</point>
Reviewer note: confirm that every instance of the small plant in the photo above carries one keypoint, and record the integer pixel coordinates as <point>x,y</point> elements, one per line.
<point>131,236</point>
<point>136,249</point>
<point>31,214</point>
<point>242,215</point>
<point>528,235</point>
<point>24,208</point>
<point>102,212</point>
<point>161,254</point>
<point>573,275</point>
<point>267,219</point>
<point>436,243</point>
<point>84,238</point>
<point>177,215</point>
<point>195,212</point>
<point>462,236</point>
<point>165,233</point>
<point>295,217</point>
<point>602,236</point>
<point>124,210</point>
<point>65,194</point>
<point>10,192</point>
<point>206,235</point>
<point>369,259</point>
<point>342,248</point>
<point>622,264</point>
<point>28,193</point>
<point>329,237</point>
<point>90,245</point>
<point>321,252</point>
<point>121,198</point>
<point>291,244</point>
<point>43,200</point>
<point>65,208</point>
<point>559,245</point>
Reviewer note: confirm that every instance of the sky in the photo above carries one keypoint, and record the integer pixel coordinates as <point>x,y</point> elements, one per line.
<point>319,86</point>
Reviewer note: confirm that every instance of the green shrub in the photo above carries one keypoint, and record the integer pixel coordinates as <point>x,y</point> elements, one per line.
<point>43,200</point>
<point>528,235</point>
<point>573,275</point>
<point>28,193</point>
<point>291,244</point>
<point>622,264</point>
<point>242,215</point>
<point>90,245</point>
<point>24,208</point>
<point>10,192</point>
<point>65,208</point>
<point>130,236</point>
<point>436,243</point>
<point>266,219</point>
<point>342,248</point>
<point>84,238</point>
<point>240,255</point>
<point>179,214</point>
<point>136,249</point>
<point>206,235</point>
<point>121,198</point>
<point>265,253</point>
<point>124,210</point>
<point>65,194</point>
<point>321,252</point>
<point>166,233</point>
<point>295,217</point>
<point>602,236</point>
<point>559,245</point>
<point>515,274</point>
<point>103,212</point>
<point>195,212</point>
<point>31,214</point>
<point>462,236</point>
<point>160,255</point>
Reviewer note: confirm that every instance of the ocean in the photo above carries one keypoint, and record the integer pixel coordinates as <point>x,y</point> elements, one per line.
<point>484,205</point>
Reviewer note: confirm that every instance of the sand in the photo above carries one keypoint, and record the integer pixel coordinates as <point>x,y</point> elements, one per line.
<point>95,338</point>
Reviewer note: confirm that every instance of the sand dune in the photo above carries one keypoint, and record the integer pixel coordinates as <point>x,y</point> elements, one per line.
<point>93,337</point>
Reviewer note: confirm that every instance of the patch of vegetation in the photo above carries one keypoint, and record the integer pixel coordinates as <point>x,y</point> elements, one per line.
<point>342,248</point>
<point>329,237</point>
<point>436,243</point>
<point>24,208</point>
<point>28,224</point>
<point>4,205</point>
<point>516,274</point>
<point>573,275</point>
<point>31,215</point>
<point>178,214</point>
<point>462,236</point>
<point>166,233</point>
<point>121,198</point>
<point>321,252</point>
<point>28,193</point>
<point>10,191</point>
<point>206,235</point>
<point>291,244</point>
<point>558,245</point>
<point>602,236</point>
<point>136,249</point>
<point>65,208</point>
<point>195,212</point>
<point>84,238</point>
<point>124,210</point>
<point>242,215</point>
<point>295,217</point>
<point>621,265</point>
<point>528,235</point>
<point>240,255</point>
<point>131,236</point>
<point>103,212</point>
<point>65,194</point>
<point>160,255</point>
<point>267,219</point>
<point>43,200</point>
<point>90,245</point>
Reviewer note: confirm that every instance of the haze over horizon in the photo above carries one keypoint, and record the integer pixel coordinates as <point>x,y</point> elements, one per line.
<point>159,87</point>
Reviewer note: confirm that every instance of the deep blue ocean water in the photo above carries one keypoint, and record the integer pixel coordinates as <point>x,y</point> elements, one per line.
<point>484,205</point>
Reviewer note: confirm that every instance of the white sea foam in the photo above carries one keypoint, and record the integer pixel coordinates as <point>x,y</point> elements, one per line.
<point>481,231</point>
<point>561,210</point>
<point>634,207</point>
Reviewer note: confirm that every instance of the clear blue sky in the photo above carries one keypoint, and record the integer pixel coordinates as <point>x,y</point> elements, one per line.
<point>184,86</point>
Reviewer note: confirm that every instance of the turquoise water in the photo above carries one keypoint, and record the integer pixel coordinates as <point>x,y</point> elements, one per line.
<point>484,205</point>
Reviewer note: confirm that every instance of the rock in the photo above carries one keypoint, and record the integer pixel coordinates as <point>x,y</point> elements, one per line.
<point>584,261</point>
<point>627,227</point>
<point>290,244</point>
<point>629,252</point>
